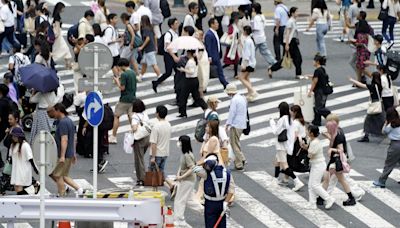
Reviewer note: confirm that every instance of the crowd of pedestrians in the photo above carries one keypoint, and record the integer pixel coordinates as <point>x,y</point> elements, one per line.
<point>137,48</point>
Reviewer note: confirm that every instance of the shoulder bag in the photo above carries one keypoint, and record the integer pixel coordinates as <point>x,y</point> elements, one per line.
<point>143,130</point>
<point>383,13</point>
<point>375,107</point>
<point>226,40</point>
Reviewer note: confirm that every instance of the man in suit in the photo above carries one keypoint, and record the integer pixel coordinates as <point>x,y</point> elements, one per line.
<point>213,48</point>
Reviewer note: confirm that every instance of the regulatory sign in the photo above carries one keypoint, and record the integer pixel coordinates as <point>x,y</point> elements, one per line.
<point>50,151</point>
<point>86,59</point>
<point>94,109</point>
<point>105,85</point>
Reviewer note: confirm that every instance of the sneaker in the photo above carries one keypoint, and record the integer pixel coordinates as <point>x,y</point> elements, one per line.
<point>102,166</point>
<point>139,78</point>
<point>379,184</point>
<point>80,191</point>
<point>363,139</point>
<point>283,182</point>
<point>349,202</point>
<point>329,203</point>
<point>139,183</point>
<point>112,139</point>
<point>298,185</point>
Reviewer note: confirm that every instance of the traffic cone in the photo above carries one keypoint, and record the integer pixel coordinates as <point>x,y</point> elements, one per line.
<point>169,218</point>
<point>64,224</point>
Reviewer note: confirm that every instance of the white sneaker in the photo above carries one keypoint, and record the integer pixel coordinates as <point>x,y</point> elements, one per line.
<point>80,191</point>
<point>312,206</point>
<point>298,184</point>
<point>329,202</point>
<point>112,139</point>
<point>139,78</point>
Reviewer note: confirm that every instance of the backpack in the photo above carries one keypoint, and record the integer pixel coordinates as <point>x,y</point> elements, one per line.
<point>200,129</point>
<point>73,32</point>
<point>165,10</point>
<point>327,88</point>
<point>108,118</point>
<point>51,36</point>
<point>202,9</point>
<point>393,63</point>
<point>18,62</point>
<point>161,45</point>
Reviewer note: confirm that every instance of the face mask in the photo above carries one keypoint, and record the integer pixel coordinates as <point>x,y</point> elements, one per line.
<point>179,144</point>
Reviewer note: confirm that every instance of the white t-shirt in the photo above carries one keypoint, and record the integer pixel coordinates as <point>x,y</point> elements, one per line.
<point>299,128</point>
<point>317,15</point>
<point>99,39</point>
<point>386,90</point>
<point>7,16</point>
<point>249,52</point>
<point>394,8</point>
<point>21,173</point>
<point>111,35</point>
<point>192,69</point>
<point>139,117</point>
<point>258,25</point>
<point>142,10</point>
<point>281,14</point>
<point>135,19</point>
<point>189,21</point>
<point>19,59</point>
<point>161,136</point>
<point>170,36</point>
<point>291,24</point>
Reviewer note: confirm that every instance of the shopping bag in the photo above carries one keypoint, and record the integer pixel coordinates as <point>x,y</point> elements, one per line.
<point>287,62</point>
<point>154,178</point>
<point>305,102</point>
<point>395,95</point>
<point>371,44</point>
<point>7,168</point>
<point>128,142</point>
<point>350,154</point>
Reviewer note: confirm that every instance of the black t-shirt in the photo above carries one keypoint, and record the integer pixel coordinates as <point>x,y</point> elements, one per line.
<point>340,139</point>
<point>5,109</point>
<point>151,45</point>
<point>321,75</point>
<point>373,91</point>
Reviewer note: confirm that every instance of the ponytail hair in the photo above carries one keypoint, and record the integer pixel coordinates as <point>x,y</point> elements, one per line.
<point>320,59</point>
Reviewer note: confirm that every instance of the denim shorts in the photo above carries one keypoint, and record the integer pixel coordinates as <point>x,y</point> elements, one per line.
<point>149,58</point>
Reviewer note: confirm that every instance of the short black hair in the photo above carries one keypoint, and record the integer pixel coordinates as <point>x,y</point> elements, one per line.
<point>363,15</point>
<point>189,30</point>
<point>162,111</point>
<point>130,4</point>
<point>321,59</point>
<point>257,7</point>
<point>4,89</point>
<point>123,62</point>
<point>379,38</point>
<point>97,29</point>
<point>125,17</point>
<point>111,16</point>
<point>211,21</point>
<point>9,76</point>
<point>138,106</point>
<point>61,108</point>
<point>89,13</point>
<point>314,130</point>
<point>171,21</point>
<point>192,5</point>
<point>89,38</point>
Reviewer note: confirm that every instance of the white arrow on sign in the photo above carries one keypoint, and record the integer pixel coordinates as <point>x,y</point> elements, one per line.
<point>94,105</point>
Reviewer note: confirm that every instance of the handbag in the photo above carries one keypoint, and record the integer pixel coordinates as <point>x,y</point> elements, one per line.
<point>154,178</point>
<point>137,41</point>
<point>143,130</point>
<point>383,14</point>
<point>375,107</point>
<point>128,142</point>
<point>287,61</point>
<point>226,40</point>
<point>371,44</point>
<point>248,128</point>
<point>395,95</point>
<point>282,137</point>
<point>7,168</point>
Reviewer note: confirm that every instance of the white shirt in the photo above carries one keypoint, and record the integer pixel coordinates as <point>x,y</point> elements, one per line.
<point>170,36</point>
<point>281,14</point>
<point>21,173</point>
<point>299,128</point>
<point>99,39</point>
<point>135,19</point>
<point>161,136</point>
<point>191,69</point>
<point>386,90</point>
<point>249,52</point>
<point>292,25</point>
<point>44,100</point>
<point>189,21</point>
<point>7,16</point>
<point>393,8</point>
<point>258,25</point>
<point>237,116</point>
<point>216,37</point>
<point>277,128</point>
<point>111,35</point>
<point>317,15</point>
<point>142,10</point>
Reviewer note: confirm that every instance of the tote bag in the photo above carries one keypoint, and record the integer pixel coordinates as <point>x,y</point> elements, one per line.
<point>154,178</point>
<point>287,62</point>
<point>375,107</point>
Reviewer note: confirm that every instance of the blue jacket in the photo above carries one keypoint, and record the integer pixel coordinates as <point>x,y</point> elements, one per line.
<point>211,44</point>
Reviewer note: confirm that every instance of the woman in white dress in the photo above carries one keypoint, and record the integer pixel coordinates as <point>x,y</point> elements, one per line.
<point>100,17</point>
<point>203,73</point>
<point>60,48</point>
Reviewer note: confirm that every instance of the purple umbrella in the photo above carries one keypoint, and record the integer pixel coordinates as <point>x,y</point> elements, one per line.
<point>38,77</point>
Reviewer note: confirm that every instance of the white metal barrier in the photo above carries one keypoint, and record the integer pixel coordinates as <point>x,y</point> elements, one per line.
<point>19,208</point>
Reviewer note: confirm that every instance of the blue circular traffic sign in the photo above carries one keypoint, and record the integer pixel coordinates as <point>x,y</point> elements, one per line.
<point>94,109</point>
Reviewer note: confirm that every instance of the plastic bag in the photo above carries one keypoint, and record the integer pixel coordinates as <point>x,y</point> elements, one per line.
<point>128,143</point>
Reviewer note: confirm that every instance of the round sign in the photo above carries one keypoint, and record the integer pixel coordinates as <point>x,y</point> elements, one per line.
<point>50,151</point>
<point>86,59</point>
<point>94,109</point>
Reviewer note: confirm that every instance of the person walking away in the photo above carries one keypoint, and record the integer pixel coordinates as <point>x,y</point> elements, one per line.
<point>387,92</point>
<point>191,17</point>
<point>281,16</point>
<point>291,44</point>
<point>248,64</point>
<point>217,196</point>
<point>213,47</point>
<point>379,54</point>
<point>159,139</point>
<point>139,116</point>
<point>190,84</point>
<point>260,39</point>
<point>112,40</point>
<point>320,80</point>
<point>128,50</point>
<point>169,62</point>
<point>236,123</point>
<point>142,11</point>
<point>343,12</point>
<point>64,137</point>
<point>60,48</point>
<point>231,53</point>
<point>127,85</point>
<point>21,158</point>
<point>393,8</point>
<point>336,149</point>
<point>391,128</point>
<point>134,21</point>
<point>7,16</point>
<point>284,148</point>
<point>373,123</point>
<point>101,15</point>
<point>148,47</point>
<point>317,161</point>
<point>156,15</point>
<point>321,17</point>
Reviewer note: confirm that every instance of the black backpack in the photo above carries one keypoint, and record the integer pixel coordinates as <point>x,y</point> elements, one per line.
<point>73,32</point>
<point>248,128</point>
<point>160,44</point>
<point>202,9</point>
<point>108,118</point>
<point>327,88</point>
<point>165,10</point>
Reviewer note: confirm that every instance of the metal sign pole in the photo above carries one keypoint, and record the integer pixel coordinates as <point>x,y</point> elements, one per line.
<point>96,128</point>
<point>42,176</point>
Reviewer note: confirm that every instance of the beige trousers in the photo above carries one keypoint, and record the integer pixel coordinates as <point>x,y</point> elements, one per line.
<point>234,138</point>
<point>183,194</point>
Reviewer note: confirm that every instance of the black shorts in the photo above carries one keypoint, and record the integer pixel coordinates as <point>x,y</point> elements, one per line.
<point>115,61</point>
<point>248,69</point>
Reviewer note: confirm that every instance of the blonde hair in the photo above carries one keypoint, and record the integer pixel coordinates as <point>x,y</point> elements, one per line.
<point>333,117</point>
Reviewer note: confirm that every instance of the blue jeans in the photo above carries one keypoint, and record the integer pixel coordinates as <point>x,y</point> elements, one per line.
<point>322,29</point>
<point>388,23</point>
<point>266,53</point>
<point>160,163</point>
<point>8,35</point>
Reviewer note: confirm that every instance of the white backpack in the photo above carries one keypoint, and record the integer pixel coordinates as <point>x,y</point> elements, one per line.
<point>18,63</point>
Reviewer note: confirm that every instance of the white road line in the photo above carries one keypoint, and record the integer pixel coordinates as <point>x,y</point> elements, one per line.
<point>360,212</point>
<point>395,174</point>
<point>18,225</point>
<point>122,182</point>
<point>83,183</point>
<point>294,200</point>
<point>258,210</point>
<point>383,194</point>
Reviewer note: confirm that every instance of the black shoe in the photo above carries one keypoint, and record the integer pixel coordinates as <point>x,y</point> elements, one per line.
<point>320,201</point>
<point>363,139</point>
<point>239,168</point>
<point>194,105</point>
<point>349,202</point>
<point>182,116</point>
<point>139,183</point>
<point>155,84</point>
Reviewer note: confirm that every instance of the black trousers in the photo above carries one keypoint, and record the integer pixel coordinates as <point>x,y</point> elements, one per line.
<point>387,102</point>
<point>9,35</point>
<point>190,86</point>
<point>319,108</point>
<point>169,66</point>
<point>295,54</point>
<point>278,42</point>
